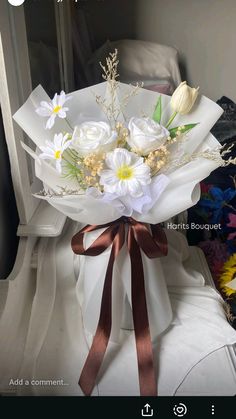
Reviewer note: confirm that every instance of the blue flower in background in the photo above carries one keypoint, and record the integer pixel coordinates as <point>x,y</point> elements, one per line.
<point>218,204</point>
<point>231,246</point>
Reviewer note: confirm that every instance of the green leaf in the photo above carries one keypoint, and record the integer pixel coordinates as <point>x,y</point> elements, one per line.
<point>186,128</point>
<point>158,111</point>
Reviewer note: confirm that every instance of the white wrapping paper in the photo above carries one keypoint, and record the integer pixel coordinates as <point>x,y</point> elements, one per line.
<point>181,193</point>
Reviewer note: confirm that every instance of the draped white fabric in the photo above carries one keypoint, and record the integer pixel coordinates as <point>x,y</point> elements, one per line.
<point>43,335</point>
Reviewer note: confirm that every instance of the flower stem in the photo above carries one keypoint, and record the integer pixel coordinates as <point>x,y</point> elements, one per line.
<point>171,119</point>
<point>64,158</point>
<point>72,129</point>
<point>231,207</point>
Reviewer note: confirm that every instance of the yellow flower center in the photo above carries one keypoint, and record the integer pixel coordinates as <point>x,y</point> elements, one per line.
<point>56,109</point>
<point>57,154</point>
<point>125,173</point>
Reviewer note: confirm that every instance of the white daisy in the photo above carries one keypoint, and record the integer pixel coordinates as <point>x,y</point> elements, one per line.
<point>127,174</point>
<point>55,149</point>
<point>54,108</point>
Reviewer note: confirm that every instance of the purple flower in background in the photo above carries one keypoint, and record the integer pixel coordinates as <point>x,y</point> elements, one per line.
<point>232,224</point>
<point>231,239</point>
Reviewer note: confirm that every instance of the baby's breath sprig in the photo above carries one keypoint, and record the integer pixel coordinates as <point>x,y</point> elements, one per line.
<point>114,108</point>
<point>217,154</point>
<point>213,155</point>
<point>227,150</point>
<point>122,135</point>
<point>231,160</point>
<point>110,70</point>
<point>110,74</point>
<point>85,171</point>
<point>133,92</point>
<point>94,163</point>
<point>157,159</point>
<point>63,191</point>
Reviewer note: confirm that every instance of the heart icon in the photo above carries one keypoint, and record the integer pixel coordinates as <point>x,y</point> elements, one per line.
<point>180,410</point>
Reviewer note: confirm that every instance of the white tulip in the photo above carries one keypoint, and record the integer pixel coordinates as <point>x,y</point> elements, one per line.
<point>146,135</point>
<point>93,137</point>
<point>184,98</point>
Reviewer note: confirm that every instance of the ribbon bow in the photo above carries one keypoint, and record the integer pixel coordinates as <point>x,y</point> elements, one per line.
<point>154,245</point>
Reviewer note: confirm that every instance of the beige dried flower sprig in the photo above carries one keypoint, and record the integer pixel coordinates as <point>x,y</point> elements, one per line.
<point>94,163</point>
<point>160,158</point>
<point>90,169</point>
<point>114,108</point>
<point>64,191</point>
<point>110,70</point>
<point>213,155</point>
<point>122,135</point>
<point>224,152</point>
<point>85,170</point>
<point>180,136</point>
<point>156,160</point>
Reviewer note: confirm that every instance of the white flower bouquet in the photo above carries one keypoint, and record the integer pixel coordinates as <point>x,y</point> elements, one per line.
<point>118,157</point>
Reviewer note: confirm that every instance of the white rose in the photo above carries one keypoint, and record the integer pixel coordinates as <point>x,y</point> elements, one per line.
<point>93,137</point>
<point>146,135</point>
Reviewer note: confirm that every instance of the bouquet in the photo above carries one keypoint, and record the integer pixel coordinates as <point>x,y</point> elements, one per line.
<point>121,160</point>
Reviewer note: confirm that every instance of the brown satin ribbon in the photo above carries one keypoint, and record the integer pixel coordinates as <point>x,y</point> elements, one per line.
<point>153,245</point>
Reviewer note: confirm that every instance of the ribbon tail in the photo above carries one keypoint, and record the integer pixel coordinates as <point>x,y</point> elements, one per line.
<point>147,377</point>
<point>97,352</point>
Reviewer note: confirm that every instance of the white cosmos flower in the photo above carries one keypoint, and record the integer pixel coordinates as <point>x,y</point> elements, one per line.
<point>126,174</point>
<point>54,108</point>
<point>94,137</point>
<point>55,149</point>
<point>146,135</point>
